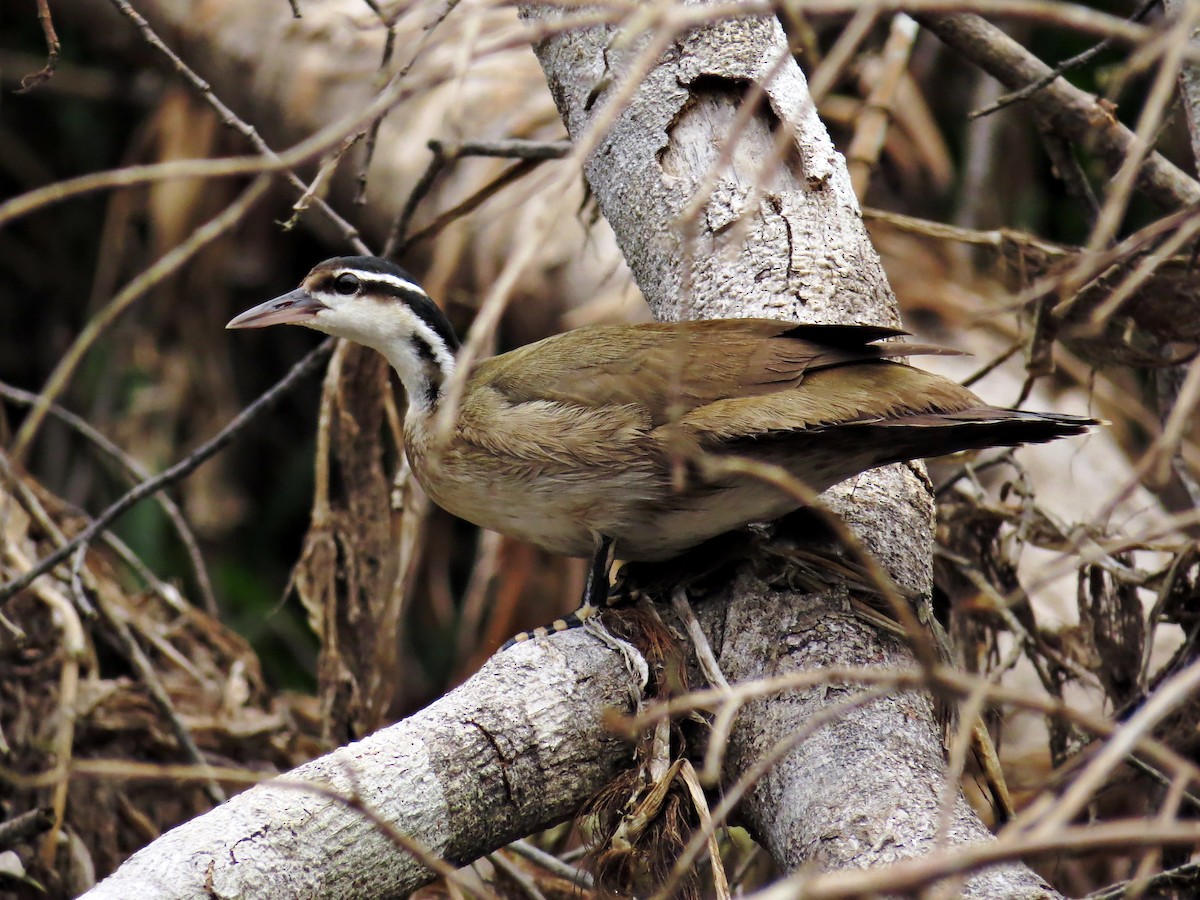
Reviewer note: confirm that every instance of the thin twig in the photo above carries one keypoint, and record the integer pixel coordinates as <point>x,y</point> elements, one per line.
<point>918,639</point>
<point>508,148</point>
<point>1176,690</point>
<point>324,172</point>
<point>552,864</point>
<point>830,70</point>
<point>704,651</point>
<point>720,881</point>
<point>37,512</point>
<point>493,187</point>
<point>1138,275</point>
<point>478,592</point>
<point>62,742</point>
<point>722,726</point>
<point>522,880</point>
<point>32,80</point>
<point>138,472</point>
<point>1070,172</point>
<point>863,153</point>
<point>1152,857</point>
<point>230,118</point>
<point>133,653</point>
<point>1073,113</point>
<point>753,774</point>
<point>397,237</point>
<point>943,679</point>
<point>184,467</point>
<point>1142,146</point>
<point>909,876</point>
<point>167,593</point>
<point>132,176</point>
<point>389,48</point>
<point>1061,69</point>
<point>165,266</point>
<point>1184,878</point>
<point>444,153</point>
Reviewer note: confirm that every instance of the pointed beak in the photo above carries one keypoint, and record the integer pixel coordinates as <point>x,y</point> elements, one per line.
<point>296,307</point>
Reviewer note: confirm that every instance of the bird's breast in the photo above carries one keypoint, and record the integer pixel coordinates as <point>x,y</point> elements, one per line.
<point>549,476</point>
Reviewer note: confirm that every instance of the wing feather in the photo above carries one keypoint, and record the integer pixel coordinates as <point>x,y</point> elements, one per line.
<point>671,370</point>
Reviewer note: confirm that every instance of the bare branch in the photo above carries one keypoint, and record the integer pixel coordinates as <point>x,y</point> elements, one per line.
<point>53,46</point>
<point>516,748</point>
<point>184,467</point>
<point>1063,108</point>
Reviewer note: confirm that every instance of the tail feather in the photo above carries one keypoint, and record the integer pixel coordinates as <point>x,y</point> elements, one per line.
<point>938,434</point>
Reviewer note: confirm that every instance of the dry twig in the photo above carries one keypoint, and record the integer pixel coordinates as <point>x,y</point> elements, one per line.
<point>184,467</point>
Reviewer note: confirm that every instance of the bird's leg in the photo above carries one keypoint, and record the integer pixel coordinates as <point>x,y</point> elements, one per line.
<point>595,596</point>
<point>595,590</point>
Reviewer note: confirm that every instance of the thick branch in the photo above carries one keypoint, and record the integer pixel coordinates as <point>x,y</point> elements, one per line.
<point>1189,85</point>
<point>518,747</point>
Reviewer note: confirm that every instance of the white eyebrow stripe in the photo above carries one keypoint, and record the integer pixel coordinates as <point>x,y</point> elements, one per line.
<point>394,280</point>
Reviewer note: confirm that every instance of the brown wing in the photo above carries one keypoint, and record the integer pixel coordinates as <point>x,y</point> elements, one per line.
<point>670,370</point>
<point>882,391</point>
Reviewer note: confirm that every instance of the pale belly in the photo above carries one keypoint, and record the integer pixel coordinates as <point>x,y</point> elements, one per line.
<point>613,479</point>
<point>636,506</point>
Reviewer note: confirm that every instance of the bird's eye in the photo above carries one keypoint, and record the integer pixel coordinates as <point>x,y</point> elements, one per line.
<point>346,283</point>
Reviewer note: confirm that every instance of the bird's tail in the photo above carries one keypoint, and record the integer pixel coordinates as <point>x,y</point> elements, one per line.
<point>938,434</point>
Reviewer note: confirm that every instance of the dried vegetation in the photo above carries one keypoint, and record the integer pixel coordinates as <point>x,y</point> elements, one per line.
<point>1068,578</point>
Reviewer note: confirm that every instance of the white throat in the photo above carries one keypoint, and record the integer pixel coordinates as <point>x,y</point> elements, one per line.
<point>423,362</point>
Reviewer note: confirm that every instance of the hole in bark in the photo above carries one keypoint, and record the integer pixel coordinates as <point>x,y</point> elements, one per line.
<point>711,108</point>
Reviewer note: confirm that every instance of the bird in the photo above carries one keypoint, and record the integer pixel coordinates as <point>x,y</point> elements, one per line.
<point>591,443</point>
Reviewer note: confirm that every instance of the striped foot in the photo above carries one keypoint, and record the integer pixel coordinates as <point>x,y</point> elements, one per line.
<point>595,595</point>
<point>566,623</point>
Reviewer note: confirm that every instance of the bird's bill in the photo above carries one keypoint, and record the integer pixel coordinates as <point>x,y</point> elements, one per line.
<point>295,307</point>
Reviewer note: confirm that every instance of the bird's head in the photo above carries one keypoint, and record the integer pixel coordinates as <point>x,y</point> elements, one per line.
<point>364,299</point>
<point>374,302</point>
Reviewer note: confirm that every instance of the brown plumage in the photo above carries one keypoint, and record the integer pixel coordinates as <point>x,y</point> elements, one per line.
<point>585,434</point>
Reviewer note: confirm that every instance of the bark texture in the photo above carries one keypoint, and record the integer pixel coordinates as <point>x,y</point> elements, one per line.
<point>1189,84</point>
<point>865,789</point>
<point>518,747</point>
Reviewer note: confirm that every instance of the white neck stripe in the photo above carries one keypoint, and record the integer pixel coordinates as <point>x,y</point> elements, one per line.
<point>409,353</point>
<point>445,358</point>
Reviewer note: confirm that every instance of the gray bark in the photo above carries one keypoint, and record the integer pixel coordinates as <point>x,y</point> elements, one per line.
<point>516,748</point>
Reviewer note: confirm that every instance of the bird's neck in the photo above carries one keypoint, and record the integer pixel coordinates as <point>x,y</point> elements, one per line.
<point>424,367</point>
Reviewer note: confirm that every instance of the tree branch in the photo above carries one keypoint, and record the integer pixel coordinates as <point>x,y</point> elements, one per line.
<point>1063,108</point>
<point>518,747</point>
